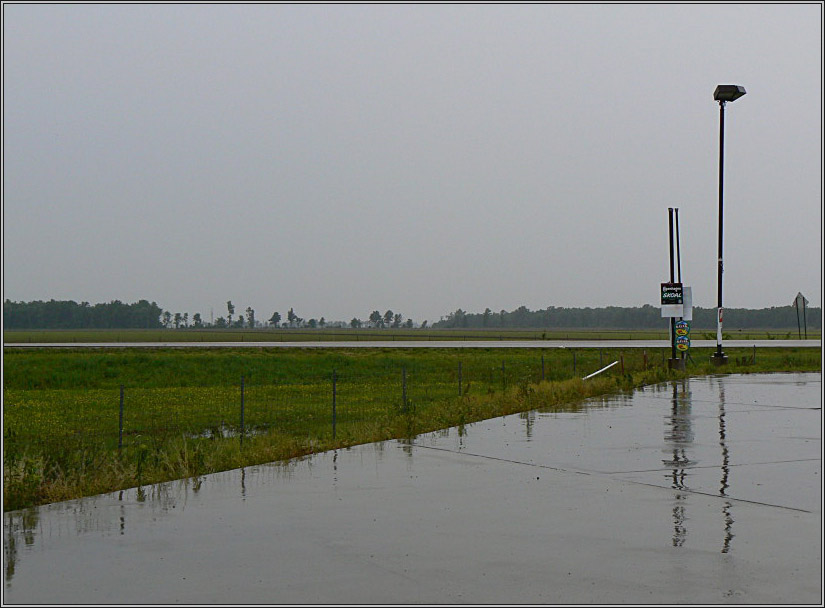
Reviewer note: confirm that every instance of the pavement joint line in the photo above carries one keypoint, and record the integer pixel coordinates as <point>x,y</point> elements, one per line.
<point>725,496</point>
<point>711,466</point>
<point>608,475</point>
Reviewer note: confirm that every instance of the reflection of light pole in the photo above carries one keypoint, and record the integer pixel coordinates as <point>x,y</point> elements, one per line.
<point>725,471</point>
<point>723,94</point>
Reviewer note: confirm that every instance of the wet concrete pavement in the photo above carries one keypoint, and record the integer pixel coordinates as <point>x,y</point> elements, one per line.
<point>704,491</point>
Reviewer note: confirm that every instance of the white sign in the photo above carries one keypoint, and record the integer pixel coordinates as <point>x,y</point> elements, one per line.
<point>673,310</point>
<point>687,303</point>
<point>800,299</point>
<point>683,310</point>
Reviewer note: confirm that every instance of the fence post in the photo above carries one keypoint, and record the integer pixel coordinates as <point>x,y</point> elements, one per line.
<point>754,354</point>
<point>404,388</point>
<point>120,421</point>
<point>621,358</point>
<point>334,379</point>
<point>242,412</point>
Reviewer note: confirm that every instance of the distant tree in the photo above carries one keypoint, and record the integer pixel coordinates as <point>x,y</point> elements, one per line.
<point>376,318</point>
<point>313,323</point>
<point>238,322</point>
<point>322,322</point>
<point>521,316</point>
<point>275,319</point>
<point>456,319</point>
<point>397,319</point>
<point>167,318</point>
<point>196,320</point>
<point>487,314</point>
<point>231,309</point>
<point>250,317</point>
<point>221,323</point>
<point>186,319</point>
<point>355,323</point>
<point>178,319</point>
<point>408,324</point>
<point>292,318</point>
<point>388,318</point>
<point>424,324</point>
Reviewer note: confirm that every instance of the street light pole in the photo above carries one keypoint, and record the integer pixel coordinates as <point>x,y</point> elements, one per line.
<point>723,94</point>
<point>719,356</point>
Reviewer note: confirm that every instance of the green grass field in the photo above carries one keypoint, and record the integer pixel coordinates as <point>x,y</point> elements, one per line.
<point>188,412</point>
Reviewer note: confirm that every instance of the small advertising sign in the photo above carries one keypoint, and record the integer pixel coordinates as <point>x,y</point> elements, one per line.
<point>682,328</point>
<point>671,293</point>
<point>682,343</point>
<point>672,297</point>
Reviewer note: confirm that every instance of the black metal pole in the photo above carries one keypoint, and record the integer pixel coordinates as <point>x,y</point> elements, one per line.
<point>805,318</point>
<point>678,250</point>
<point>672,319</point>
<point>719,355</point>
<point>679,270</point>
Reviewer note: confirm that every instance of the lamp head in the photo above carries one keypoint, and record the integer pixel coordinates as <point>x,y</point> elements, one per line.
<point>728,92</point>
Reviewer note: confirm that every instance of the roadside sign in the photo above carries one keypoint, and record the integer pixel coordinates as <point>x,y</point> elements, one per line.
<point>687,303</point>
<point>671,293</point>
<point>671,298</point>
<point>682,328</point>
<point>682,343</point>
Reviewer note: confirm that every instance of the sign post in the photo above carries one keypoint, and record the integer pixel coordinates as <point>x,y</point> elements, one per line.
<point>673,305</point>
<point>802,301</point>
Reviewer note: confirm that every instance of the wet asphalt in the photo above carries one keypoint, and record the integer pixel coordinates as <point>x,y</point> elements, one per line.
<point>707,491</point>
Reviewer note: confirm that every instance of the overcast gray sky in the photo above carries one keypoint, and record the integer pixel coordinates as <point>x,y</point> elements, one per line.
<point>340,159</point>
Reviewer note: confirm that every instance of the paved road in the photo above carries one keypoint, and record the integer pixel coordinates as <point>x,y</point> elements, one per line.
<point>434,344</point>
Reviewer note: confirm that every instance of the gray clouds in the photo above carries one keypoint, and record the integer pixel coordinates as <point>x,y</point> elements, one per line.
<point>344,158</point>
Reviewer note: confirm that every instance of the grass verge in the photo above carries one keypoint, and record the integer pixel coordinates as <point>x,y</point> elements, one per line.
<point>187,413</point>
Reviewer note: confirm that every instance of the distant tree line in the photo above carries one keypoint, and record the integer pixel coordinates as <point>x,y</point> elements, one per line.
<point>148,315</point>
<point>643,317</point>
<point>71,315</point>
<point>68,314</point>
